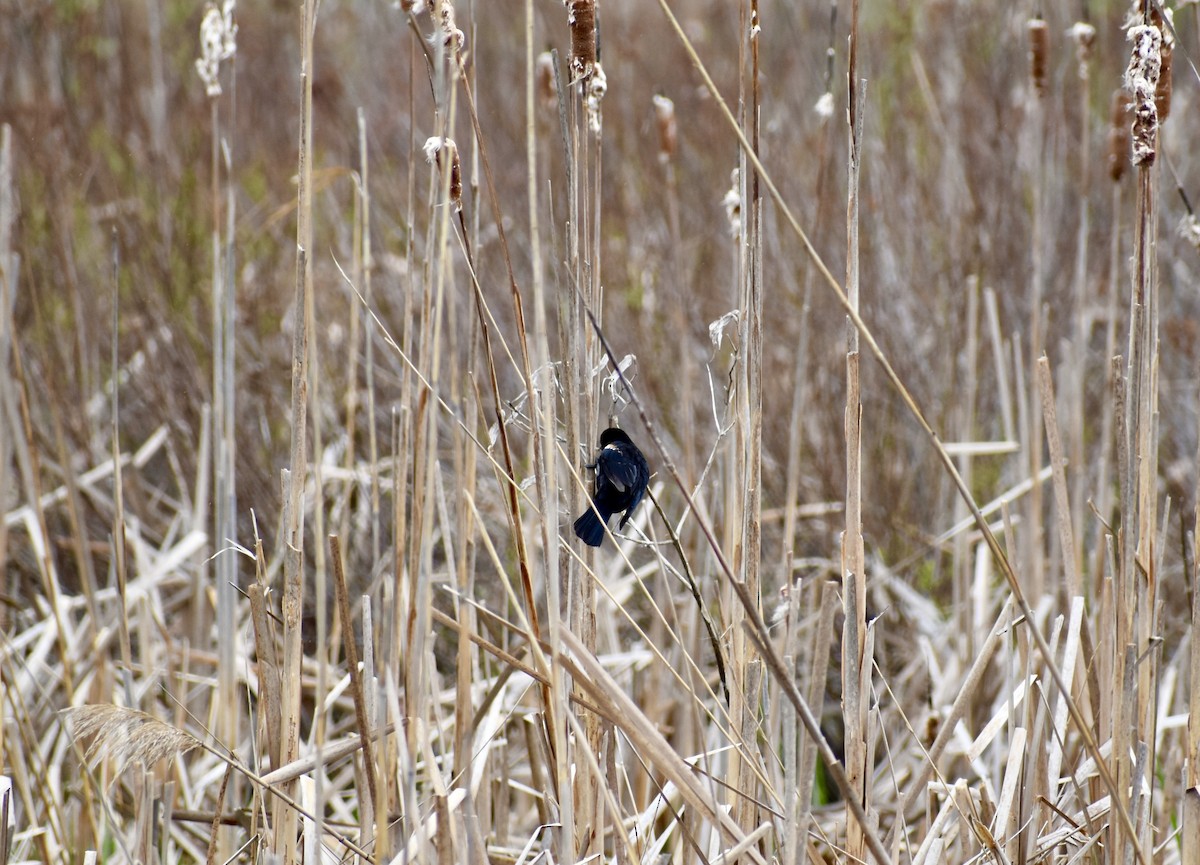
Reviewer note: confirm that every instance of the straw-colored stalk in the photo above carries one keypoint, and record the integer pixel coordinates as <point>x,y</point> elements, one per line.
<point>856,659</point>
<point>283,839</point>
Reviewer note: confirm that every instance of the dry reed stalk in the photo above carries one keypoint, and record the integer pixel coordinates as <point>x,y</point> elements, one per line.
<point>1058,719</point>
<point>668,147</point>
<point>1191,793</point>
<point>584,173</point>
<point>75,517</point>
<point>118,538</point>
<point>1084,35</point>
<point>540,75</point>
<point>283,838</point>
<point>1139,574</point>
<point>814,689</point>
<point>745,480</point>
<point>401,797</point>
<point>1004,393</point>
<point>462,559</point>
<point>961,574</point>
<point>856,662</point>
<point>1033,547</point>
<point>415,595</point>
<point>266,652</point>
<point>8,297</point>
<point>218,36</point>
<point>1066,539</point>
<point>357,687</point>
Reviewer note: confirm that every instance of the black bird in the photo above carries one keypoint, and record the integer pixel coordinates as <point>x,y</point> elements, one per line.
<point>621,478</point>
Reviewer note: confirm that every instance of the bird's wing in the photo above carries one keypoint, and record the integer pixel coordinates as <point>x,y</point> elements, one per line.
<point>617,468</point>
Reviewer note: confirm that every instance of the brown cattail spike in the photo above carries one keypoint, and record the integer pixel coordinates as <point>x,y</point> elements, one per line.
<point>1039,50</point>
<point>545,80</point>
<point>581,15</point>
<point>1118,134</point>
<point>664,116</point>
<point>1162,93</point>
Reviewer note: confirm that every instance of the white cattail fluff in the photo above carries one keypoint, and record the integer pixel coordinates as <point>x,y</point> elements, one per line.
<point>1189,229</point>
<point>443,153</point>
<point>218,42</point>
<point>455,39</point>
<point>733,204</point>
<point>597,86</point>
<point>1141,80</point>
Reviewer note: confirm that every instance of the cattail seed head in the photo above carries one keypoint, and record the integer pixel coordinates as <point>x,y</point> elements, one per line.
<point>1162,92</point>
<point>1141,80</point>
<point>1039,50</point>
<point>444,152</point>
<point>454,38</point>
<point>664,115</point>
<point>218,43</point>
<point>581,15</point>
<point>544,73</point>
<point>1118,134</point>
<point>1084,35</point>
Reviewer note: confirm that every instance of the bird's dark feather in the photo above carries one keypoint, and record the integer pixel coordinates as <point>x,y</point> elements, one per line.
<point>621,478</point>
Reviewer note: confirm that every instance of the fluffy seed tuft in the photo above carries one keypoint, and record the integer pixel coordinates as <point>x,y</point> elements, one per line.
<point>597,86</point>
<point>732,203</point>
<point>218,43</point>
<point>444,152</point>
<point>1141,80</point>
<point>127,735</point>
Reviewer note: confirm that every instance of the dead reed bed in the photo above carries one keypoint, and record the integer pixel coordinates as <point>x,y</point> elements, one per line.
<point>305,346</point>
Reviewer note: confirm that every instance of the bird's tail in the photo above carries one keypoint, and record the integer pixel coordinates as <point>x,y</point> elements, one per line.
<point>590,528</point>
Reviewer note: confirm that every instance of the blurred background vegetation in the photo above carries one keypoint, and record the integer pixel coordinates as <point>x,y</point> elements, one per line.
<point>977,183</point>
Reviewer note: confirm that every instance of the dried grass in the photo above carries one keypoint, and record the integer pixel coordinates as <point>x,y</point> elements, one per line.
<point>829,635</point>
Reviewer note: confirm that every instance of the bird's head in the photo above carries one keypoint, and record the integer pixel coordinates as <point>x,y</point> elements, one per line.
<point>613,434</point>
